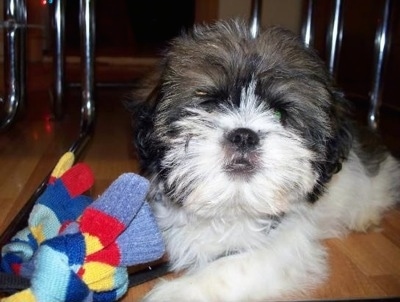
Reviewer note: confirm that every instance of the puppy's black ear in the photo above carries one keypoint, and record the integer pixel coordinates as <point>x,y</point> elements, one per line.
<point>338,145</point>
<point>142,103</point>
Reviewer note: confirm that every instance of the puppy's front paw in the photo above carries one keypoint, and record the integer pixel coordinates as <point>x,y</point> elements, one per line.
<point>182,289</point>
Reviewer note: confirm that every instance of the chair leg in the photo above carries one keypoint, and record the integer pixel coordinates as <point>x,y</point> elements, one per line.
<point>255,17</point>
<point>307,30</point>
<point>14,50</point>
<point>382,38</point>
<point>87,114</point>
<point>88,109</point>
<point>335,37</point>
<point>58,13</point>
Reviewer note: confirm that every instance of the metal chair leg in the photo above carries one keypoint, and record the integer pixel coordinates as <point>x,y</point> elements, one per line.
<point>382,38</point>
<point>88,110</point>
<point>58,58</point>
<point>255,17</point>
<point>307,30</point>
<point>14,60</point>
<point>87,113</point>
<point>335,41</point>
<point>23,20</point>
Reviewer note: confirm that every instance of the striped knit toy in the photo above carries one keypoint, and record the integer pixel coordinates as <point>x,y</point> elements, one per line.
<point>60,204</point>
<point>86,259</point>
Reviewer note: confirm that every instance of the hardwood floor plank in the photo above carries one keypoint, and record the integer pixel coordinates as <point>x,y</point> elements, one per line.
<point>373,253</point>
<point>345,279</point>
<point>390,284</point>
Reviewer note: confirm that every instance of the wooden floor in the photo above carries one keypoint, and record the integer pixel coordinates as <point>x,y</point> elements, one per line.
<point>362,265</point>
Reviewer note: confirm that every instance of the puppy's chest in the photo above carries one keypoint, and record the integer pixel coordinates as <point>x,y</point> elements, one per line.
<point>213,238</point>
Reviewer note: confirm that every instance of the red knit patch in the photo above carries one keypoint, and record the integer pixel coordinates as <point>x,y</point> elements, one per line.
<point>80,272</point>
<point>101,225</point>
<point>16,268</point>
<point>110,255</point>
<point>78,179</point>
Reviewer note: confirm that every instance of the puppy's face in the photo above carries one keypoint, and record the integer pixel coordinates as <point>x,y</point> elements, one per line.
<point>237,125</point>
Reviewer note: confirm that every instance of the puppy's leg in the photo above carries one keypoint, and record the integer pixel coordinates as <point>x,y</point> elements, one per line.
<point>356,200</point>
<point>293,261</point>
<point>383,194</point>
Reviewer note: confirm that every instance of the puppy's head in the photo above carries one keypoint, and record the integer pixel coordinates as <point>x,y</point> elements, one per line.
<point>236,125</point>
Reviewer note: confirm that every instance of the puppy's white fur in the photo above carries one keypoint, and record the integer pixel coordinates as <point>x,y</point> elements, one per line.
<point>248,234</point>
<point>221,236</point>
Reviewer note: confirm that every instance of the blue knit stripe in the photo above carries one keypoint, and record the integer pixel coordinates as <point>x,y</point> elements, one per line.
<point>57,198</point>
<point>144,237</point>
<point>9,259</point>
<point>45,221</point>
<point>52,275</point>
<point>77,290</point>
<point>32,241</point>
<point>70,245</point>
<point>25,236</point>
<point>55,192</point>
<point>123,198</point>
<point>105,296</point>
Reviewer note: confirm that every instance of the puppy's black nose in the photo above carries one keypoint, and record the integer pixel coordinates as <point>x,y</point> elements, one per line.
<point>243,138</point>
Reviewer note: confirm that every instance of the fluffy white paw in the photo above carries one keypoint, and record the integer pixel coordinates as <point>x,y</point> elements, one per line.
<point>368,221</point>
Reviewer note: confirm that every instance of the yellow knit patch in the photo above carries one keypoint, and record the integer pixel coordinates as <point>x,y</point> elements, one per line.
<point>93,244</point>
<point>99,276</point>
<point>23,296</point>
<point>65,162</point>
<point>37,232</point>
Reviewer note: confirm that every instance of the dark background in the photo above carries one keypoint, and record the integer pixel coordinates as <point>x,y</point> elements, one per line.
<point>141,28</point>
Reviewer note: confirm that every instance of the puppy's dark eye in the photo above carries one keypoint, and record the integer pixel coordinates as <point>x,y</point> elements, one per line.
<point>208,104</point>
<point>205,100</point>
<point>278,114</point>
<point>209,100</point>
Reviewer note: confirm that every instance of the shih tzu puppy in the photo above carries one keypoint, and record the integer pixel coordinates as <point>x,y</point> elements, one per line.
<point>253,160</point>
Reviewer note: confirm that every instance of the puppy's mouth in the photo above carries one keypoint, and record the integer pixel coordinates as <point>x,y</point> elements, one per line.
<point>241,165</point>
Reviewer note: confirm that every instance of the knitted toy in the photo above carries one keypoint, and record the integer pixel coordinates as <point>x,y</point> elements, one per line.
<point>77,250</point>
